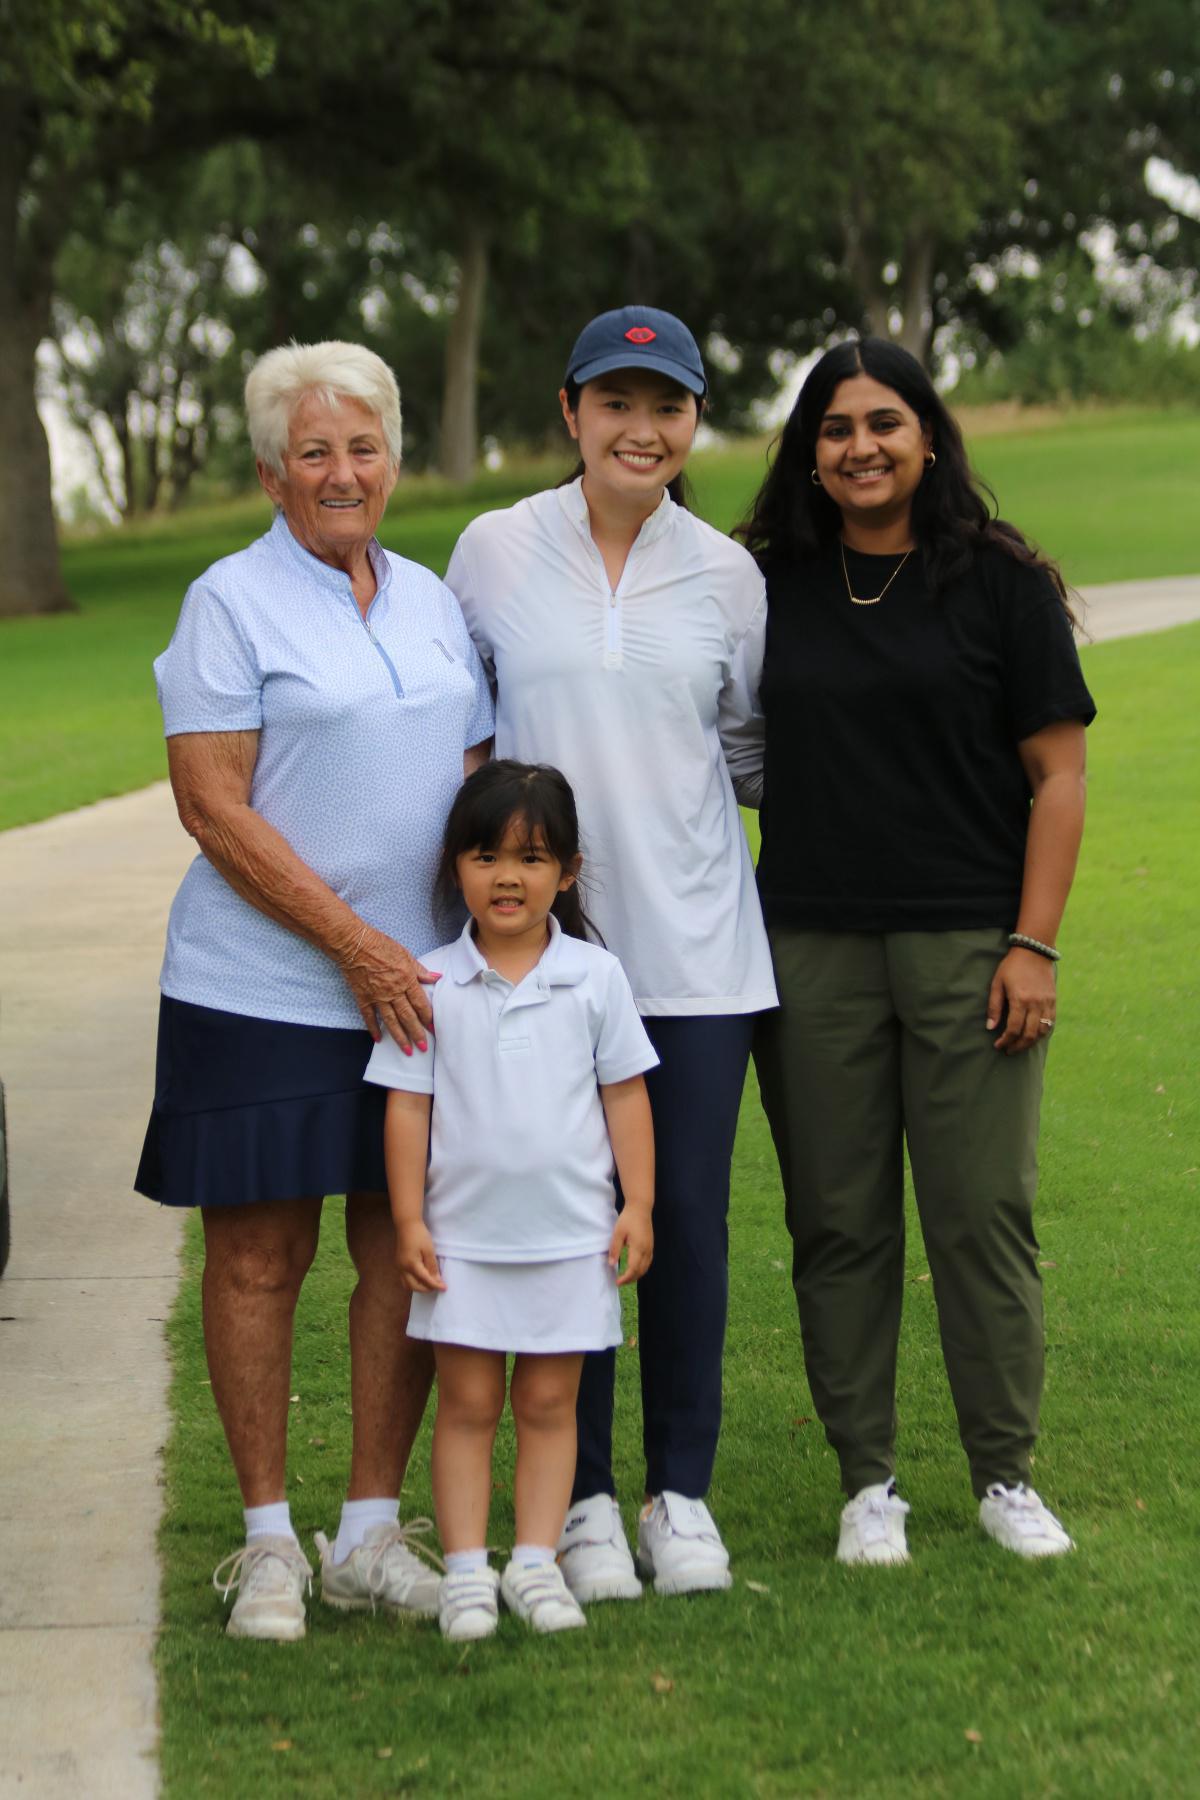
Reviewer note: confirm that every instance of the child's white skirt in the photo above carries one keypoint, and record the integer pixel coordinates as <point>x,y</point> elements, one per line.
<point>541,1308</point>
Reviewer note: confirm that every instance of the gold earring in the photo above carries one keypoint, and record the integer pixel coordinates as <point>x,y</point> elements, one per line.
<point>930,458</point>
<point>816,479</point>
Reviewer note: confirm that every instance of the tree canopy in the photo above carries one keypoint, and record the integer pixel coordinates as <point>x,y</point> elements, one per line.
<point>462,185</point>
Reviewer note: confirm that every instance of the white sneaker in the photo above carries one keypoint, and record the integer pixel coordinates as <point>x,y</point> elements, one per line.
<point>383,1571</point>
<point>539,1595</point>
<point>272,1576</point>
<point>873,1527</point>
<point>467,1604</point>
<point>593,1554</point>
<point>1016,1518</point>
<point>680,1547</point>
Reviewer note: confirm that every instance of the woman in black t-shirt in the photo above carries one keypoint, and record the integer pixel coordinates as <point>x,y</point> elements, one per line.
<point>922,813</point>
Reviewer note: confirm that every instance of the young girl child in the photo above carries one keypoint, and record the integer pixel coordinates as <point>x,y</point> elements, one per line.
<point>625,640</point>
<point>510,1240</point>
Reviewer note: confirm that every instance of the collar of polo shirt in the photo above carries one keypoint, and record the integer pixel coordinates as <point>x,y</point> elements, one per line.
<point>561,964</point>
<point>572,501</point>
<point>334,579</point>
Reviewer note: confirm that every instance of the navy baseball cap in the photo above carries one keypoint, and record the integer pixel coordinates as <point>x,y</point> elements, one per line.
<point>638,337</point>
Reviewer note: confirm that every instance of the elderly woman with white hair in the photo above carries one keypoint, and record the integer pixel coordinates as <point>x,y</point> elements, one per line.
<point>322,701</point>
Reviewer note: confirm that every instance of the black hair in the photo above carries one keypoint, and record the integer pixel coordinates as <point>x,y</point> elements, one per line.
<point>680,489</point>
<point>539,799</point>
<point>953,510</point>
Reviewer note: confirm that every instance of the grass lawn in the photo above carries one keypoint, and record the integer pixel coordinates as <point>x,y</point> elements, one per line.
<point>967,1673</point>
<point>1107,493</point>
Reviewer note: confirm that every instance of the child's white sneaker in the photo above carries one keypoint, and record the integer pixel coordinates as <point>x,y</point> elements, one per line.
<point>873,1527</point>
<point>593,1554</point>
<point>538,1594</point>
<point>1019,1520</point>
<point>680,1547</point>
<point>467,1603</point>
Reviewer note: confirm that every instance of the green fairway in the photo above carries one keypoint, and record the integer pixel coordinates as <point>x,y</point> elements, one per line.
<point>968,1672</point>
<point>1108,493</point>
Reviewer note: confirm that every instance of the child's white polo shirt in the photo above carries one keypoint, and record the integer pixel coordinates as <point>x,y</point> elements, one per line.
<point>520,1165</point>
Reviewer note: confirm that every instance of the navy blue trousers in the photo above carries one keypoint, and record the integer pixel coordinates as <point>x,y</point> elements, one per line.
<point>695,1094</point>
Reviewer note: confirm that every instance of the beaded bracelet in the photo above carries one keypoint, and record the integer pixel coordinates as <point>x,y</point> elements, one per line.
<point>1022,942</point>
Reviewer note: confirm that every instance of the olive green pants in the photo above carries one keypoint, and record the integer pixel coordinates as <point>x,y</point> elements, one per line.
<point>881,1039</point>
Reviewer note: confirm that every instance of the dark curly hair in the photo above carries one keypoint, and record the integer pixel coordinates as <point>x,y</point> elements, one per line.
<point>953,511</point>
<point>534,797</point>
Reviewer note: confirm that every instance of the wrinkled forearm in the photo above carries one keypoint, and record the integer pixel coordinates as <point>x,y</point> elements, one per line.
<point>261,866</point>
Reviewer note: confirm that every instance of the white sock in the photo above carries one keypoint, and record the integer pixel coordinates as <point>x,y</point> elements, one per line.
<point>532,1556</point>
<point>358,1516</point>
<point>268,1521</point>
<point>465,1562</point>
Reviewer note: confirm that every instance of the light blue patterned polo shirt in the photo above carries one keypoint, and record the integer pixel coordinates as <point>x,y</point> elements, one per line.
<point>362,732</point>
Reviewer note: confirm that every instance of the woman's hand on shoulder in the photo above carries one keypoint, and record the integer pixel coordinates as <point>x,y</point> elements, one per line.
<point>387,986</point>
<point>1022,999</point>
<point>416,1258</point>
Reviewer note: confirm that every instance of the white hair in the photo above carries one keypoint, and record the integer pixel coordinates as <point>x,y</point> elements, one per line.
<point>333,372</point>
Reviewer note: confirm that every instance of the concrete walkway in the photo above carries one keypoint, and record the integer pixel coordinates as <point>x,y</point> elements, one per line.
<point>1126,608</point>
<point>83,903</point>
<point>93,1272</point>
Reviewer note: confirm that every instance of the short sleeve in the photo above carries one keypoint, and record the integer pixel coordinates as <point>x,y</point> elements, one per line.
<point>1044,682</point>
<point>460,580</point>
<point>208,677</point>
<point>481,721</point>
<point>739,713</point>
<point>622,1047</point>
<point>389,1067</point>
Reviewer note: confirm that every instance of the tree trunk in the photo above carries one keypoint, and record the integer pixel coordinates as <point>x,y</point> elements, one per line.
<point>916,333</point>
<point>30,573</point>
<point>458,445</point>
<point>122,424</point>
<point>866,272</point>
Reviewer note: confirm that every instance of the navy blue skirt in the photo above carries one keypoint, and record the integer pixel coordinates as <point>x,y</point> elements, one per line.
<point>250,1109</point>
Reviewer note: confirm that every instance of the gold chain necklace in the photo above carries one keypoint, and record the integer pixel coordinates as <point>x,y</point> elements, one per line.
<point>862,600</point>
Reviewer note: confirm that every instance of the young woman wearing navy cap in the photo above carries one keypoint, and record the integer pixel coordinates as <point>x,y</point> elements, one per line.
<point>624,638</point>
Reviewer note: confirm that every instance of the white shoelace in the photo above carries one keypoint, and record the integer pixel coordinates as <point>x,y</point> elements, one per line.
<point>408,1539</point>
<point>873,1514</point>
<point>1029,1515</point>
<point>248,1569</point>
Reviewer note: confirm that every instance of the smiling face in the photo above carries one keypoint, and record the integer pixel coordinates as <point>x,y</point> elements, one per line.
<point>337,476</point>
<point>634,429</point>
<point>510,890</point>
<point>870,452</point>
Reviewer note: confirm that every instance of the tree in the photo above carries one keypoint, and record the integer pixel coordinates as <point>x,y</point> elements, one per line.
<point>82,91</point>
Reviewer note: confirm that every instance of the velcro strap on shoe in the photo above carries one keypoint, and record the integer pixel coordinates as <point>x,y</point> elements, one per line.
<point>689,1518</point>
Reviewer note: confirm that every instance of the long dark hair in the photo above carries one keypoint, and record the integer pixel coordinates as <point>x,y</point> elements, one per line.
<point>953,510</point>
<point>680,489</point>
<point>538,799</point>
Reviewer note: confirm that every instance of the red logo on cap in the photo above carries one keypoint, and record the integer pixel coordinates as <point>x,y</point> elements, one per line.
<point>641,334</point>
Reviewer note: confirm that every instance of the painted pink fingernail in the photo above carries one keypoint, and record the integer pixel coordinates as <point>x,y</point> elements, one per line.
<point>421,1044</point>
<point>407,1049</point>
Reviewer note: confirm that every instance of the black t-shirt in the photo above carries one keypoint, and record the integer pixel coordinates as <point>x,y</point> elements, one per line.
<point>894,798</point>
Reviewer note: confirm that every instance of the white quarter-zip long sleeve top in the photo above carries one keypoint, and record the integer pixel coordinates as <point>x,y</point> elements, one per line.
<point>647,699</point>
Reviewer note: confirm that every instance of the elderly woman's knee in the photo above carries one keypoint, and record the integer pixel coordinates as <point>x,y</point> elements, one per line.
<point>251,1256</point>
